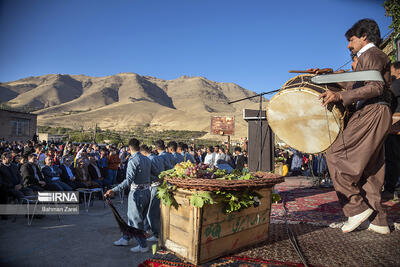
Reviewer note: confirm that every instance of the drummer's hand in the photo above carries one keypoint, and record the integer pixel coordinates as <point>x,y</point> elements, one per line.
<point>109,193</point>
<point>330,96</point>
<point>315,70</point>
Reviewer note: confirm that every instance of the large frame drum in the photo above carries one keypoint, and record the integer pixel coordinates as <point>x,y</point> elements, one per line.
<point>297,117</point>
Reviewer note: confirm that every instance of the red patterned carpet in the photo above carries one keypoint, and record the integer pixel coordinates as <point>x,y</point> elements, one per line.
<point>314,208</point>
<point>226,261</point>
<point>317,206</point>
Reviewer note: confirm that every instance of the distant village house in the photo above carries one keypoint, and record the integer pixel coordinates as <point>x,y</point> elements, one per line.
<point>51,138</point>
<point>17,126</point>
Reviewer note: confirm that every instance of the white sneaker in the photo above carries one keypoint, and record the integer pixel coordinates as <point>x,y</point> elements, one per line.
<point>384,230</point>
<point>152,239</point>
<point>121,242</point>
<point>363,226</point>
<point>138,248</point>
<point>354,221</point>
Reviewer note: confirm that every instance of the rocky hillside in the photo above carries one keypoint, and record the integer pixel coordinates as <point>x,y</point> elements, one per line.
<point>127,100</point>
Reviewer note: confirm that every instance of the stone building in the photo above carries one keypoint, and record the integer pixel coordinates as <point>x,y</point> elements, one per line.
<point>17,126</point>
<point>51,138</point>
<point>391,46</point>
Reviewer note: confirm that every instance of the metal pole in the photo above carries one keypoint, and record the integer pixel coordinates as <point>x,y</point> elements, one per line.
<point>260,121</point>
<point>265,93</point>
<point>261,144</point>
<point>95,133</point>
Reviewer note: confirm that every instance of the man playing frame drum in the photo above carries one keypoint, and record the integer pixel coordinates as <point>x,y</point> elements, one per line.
<point>356,158</point>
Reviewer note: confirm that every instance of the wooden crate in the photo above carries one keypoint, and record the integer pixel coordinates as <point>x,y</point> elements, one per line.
<point>198,235</point>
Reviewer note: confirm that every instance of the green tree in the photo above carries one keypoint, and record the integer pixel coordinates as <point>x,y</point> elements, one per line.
<point>392,8</point>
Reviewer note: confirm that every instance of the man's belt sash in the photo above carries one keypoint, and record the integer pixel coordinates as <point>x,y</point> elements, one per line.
<point>139,186</point>
<point>366,75</point>
<point>154,184</point>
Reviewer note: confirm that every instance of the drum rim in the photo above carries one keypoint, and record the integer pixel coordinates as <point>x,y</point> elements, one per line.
<point>295,77</point>
<point>323,87</point>
<point>285,91</point>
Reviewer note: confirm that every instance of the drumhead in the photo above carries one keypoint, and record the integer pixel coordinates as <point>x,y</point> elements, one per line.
<point>298,118</point>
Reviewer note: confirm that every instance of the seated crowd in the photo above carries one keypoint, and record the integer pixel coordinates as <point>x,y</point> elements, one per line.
<point>29,167</point>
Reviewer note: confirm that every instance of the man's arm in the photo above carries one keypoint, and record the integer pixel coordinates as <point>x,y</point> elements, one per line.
<point>155,169</point>
<point>7,180</point>
<point>130,175</point>
<point>26,175</point>
<point>167,162</point>
<point>64,174</point>
<point>240,162</point>
<point>39,173</point>
<point>346,85</point>
<point>368,61</point>
<point>16,175</point>
<point>93,173</point>
<point>78,155</point>
<point>46,171</point>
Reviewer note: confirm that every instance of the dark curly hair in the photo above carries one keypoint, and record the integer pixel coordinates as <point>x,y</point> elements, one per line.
<point>365,27</point>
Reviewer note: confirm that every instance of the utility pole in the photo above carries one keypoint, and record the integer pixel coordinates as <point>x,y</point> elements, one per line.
<point>95,132</point>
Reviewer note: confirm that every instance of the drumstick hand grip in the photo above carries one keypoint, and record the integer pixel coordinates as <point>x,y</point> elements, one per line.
<point>321,71</point>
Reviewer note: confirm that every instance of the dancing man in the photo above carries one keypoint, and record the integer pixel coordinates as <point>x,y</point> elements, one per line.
<point>138,179</point>
<point>356,159</point>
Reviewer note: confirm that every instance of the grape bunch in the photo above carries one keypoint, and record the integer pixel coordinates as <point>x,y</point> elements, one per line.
<point>208,175</point>
<point>201,170</point>
<point>202,166</point>
<point>180,168</point>
<point>191,172</point>
<point>219,173</point>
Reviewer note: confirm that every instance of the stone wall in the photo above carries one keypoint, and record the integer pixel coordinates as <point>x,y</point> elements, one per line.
<point>388,46</point>
<point>17,126</point>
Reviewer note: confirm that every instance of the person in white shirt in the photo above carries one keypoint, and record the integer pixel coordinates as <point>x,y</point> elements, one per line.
<point>221,155</point>
<point>210,157</point>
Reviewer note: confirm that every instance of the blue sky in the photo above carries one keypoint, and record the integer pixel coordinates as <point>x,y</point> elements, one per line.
<point>253,43</point>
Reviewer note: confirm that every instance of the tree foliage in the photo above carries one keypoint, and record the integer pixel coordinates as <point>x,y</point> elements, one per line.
<point>392,8</point>
<point>144,135</point>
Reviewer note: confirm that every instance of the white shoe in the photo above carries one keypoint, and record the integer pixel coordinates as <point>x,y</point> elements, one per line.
<point>152,239</point>
<point>363,226</point>
<point>384,230</point>
<point>121,242</point>
<point>138,248</point>
<point>354,221</point>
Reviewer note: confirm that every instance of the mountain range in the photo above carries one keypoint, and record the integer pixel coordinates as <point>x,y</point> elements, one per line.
<point>127,100</point>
